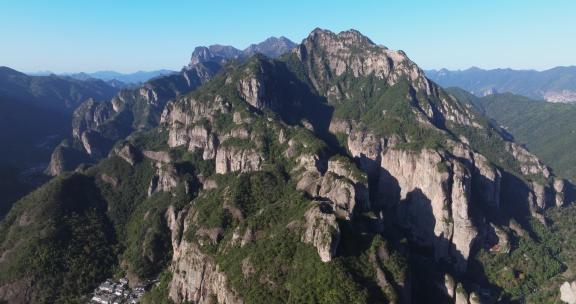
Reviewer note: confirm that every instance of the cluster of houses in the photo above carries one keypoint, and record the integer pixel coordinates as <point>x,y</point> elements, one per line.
<point>112,292</point>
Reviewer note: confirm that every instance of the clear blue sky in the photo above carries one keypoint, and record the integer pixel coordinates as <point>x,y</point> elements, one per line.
<point>124,35</point>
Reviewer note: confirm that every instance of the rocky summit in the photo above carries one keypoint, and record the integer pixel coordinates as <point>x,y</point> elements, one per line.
<point>332,171</point>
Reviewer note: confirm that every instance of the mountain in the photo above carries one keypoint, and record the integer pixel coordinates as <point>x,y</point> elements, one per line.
<point>336,173</point>
<point>34,116</point>
<point>97,126</point>
<point>128,78</point>
<point>547,129</point>
<point>553,85</point>
<point>272,47</point>
<point>62,94</point>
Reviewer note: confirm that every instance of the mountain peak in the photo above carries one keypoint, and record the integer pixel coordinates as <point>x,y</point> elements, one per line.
<point>272,47</point>
<point>349,37</point>
<point>216,52</point>
<point>350,52</point>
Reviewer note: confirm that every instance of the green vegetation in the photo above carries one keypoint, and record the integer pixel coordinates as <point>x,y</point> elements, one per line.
<point>349,165</point>
<point>66,244</point>
<point>154,139</point>
<point>286,270</point>
<point>547,129</point>
<point>536,266</point>
<point>276,267</point>
<point>159,293</point>
<point>388,111</point>
<point>489,143</point>
<point>132,188</point>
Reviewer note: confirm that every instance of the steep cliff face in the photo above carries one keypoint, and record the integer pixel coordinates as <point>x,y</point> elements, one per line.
<point>197,279</point>
<point>232,159</point>
<point>433,196</point>
<point>196,276</point>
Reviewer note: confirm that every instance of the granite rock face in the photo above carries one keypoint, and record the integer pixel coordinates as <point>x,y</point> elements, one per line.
<point>196,276</point>
<point>322,231</point>
<point>197,279</point>
<point>234,159</point>
<point>339,182</point>
<point>433,194</point>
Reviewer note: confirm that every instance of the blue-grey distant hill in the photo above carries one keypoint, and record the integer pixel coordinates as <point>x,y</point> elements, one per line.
<point>555,85</point>
<point>113,78</point>
<point>129,78</point>
<point>35,112</point>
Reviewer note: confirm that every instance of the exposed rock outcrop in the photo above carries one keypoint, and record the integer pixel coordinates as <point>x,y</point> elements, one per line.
<point>340,191</point>
<point>560,189</point>
<point>128,153</point>
<point>342,184</point>
<point>175,221</point>
<point>166,179</point>
<point>461,295</point>
<point>449,286</point>
<point>322,231</point>
<point>17,292</point>
<point>196,278</point>
<point>196,137</point>
<point>158,156</point>
<point>235,159</point>
<point>568,292</point>
<point>253,90</point>
<point>433,195</point>
<point>110,180</point>
<point>529,163</point>
<point>338,57</point>
<point>96,126</point>
<point>366,147</point>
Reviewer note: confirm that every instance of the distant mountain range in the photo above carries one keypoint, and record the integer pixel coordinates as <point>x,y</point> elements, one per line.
<point>129,78</point>
<point>272,47</point>
<point>111,76</point>
<point>59,93</point>
<point>553,85</point>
